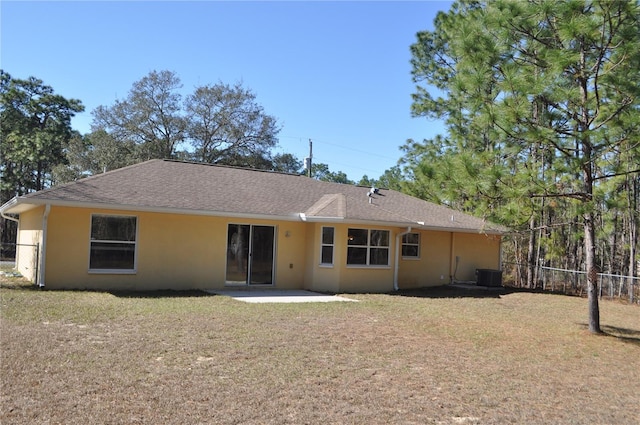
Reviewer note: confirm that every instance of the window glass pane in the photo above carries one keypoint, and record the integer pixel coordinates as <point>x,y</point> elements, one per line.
<point>110,228</point>
<point>358,236</point>
<point>410,250</point>
<point>327,235</point>
<point>327,255</point>
<point>379,238</point>
<point>356,255</point>
<point>411,245</point>
<point>238,253</point>
<point>413,238</point>
<point>113,256</point>
<point>379,257</point>
<point>116,255</point>
<point>262,238</point>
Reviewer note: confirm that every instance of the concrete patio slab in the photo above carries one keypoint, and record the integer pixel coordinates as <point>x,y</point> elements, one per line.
<point>279,296</point>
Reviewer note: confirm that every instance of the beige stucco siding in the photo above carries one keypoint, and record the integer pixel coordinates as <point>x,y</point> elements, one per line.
<point>323,277</point>
<point>474,251</point>
<point>441,251</point>
<point>341,277</point>
<point>435,265</point>
<point>176,251</point>
<point>365,278</point>
<point>431,268</point>
<point>173,251</point>
<point>291,257</point>
<point>29,242</point>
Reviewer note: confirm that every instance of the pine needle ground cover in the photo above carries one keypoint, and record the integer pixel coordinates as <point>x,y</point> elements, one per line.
<point>425,357</point>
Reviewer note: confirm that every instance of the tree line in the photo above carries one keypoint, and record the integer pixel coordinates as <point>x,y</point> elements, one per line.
<point>541,101</point>
<point>215,123</point>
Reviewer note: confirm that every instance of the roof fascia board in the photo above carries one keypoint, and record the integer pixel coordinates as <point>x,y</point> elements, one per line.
<point>8,205</point>
<point>414,225</point>
<point>357,222</point>
<point>17,203</point>
<point>482,231</point>
<point>162,210</point>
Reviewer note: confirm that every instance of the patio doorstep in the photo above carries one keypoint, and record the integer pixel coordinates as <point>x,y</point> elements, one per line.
<point>278,296</point>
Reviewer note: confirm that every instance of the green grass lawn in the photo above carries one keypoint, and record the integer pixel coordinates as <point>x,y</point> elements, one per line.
<point>424,357</point>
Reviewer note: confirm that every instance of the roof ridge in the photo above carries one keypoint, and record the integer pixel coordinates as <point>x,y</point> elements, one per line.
<point>234,167</point>
<point>149,161</point>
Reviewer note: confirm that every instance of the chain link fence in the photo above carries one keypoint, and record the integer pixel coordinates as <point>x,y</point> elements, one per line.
<point>8,255</point>
<point>574,282</point>
<point>571,281</point>
<point>16,259</point>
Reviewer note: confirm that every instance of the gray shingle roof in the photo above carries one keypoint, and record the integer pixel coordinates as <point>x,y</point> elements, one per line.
<point>193,188</point>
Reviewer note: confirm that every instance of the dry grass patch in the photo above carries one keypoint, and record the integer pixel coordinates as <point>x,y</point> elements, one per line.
<point>440,357</point>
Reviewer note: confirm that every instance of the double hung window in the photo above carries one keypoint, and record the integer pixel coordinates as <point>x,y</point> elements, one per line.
<point>411,245</point>
<point>328,238</point>
<point>113,243</point>
<point>368,247</point>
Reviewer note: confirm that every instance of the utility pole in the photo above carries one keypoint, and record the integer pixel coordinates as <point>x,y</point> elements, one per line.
<point>309,160</point>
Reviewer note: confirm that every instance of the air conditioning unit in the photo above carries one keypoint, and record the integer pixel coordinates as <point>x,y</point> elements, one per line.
<point>488,277</point>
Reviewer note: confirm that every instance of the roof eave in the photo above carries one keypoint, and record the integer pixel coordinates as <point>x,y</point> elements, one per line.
<point>18,205</point>
<point>414,225</point>
<point>24,205</point>
<point>482,231</point>
<point>13,206</point>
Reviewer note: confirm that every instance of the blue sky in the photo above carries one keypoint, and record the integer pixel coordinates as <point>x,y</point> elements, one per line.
<point>337,73</point>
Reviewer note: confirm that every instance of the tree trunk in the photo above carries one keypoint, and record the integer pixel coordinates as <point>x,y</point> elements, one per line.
<point>633,242</point>
<point>531,254</point>
<point>589,238</point>
<point>592,273</point>
<point>588,201</point>
<point>613,248</point>
<point>518,261</point>
<point>632,195</point>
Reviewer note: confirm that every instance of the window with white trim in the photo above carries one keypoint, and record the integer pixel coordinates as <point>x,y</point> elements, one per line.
<point>411,245</point>
<point>368,247</point>
<point>327,245</point>
<point>113,243</point>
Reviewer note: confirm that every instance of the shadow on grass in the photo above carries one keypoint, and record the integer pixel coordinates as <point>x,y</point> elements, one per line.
<point>167,293</point>
<point>23,285</point>
<point>471,291</point>
<point>630,336</point>
<point>455,291</point>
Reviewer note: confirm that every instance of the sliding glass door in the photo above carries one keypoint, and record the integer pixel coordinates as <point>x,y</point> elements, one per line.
<point>250,254</point>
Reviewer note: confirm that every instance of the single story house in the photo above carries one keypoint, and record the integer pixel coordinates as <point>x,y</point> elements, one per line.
<point>165,224</point>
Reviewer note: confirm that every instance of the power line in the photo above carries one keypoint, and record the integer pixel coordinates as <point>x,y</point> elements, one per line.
<point>322,160</point>
<point>341,146</point>
<point>353,149</point>
<point>338,165</point>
